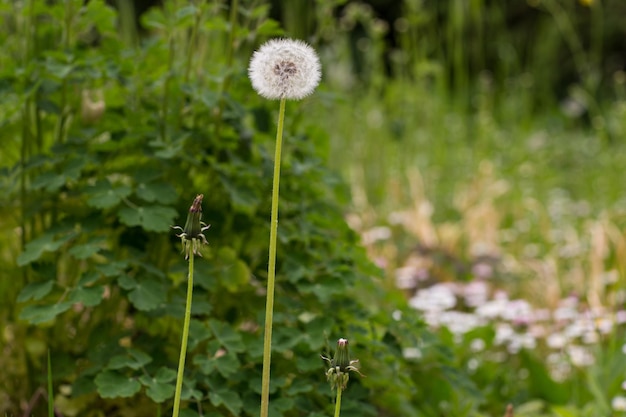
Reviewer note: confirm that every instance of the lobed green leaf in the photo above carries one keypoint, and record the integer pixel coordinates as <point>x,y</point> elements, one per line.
<point>111,384</point>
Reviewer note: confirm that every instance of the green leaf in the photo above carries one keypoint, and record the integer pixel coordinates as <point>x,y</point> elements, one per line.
<point>111,384</point>
<point>159,192</point>
<point>154,18</point>
<point>89,278</point>
<point>35,291</point>
<point>280,406</point>
<point>50,182</point>
<point>104,195</point>
<point>97,12</point>
<point>134,359</point>
<point>146,294</point>
<point>235,272</point>
<point>89,296</point>
<point>165,374</point>
<point>37,247</point>
<point>190,413</point>
<point>53,182</point>
<point>227,335</point>
<point>112,268</point>
<point>85,250</point>
<point>229,399</point>
<point>228,364</point>
<point>184,14</point>
<point>36,314</point>
<point>299,386</point>
<point>198,332</point>
<point>269,27</point>
<point>58,69</point>
<point>151,218</point>
<point>242,197</point>
<point>159,388</point>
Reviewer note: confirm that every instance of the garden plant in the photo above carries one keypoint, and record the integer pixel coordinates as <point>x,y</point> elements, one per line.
<point>451,203</point>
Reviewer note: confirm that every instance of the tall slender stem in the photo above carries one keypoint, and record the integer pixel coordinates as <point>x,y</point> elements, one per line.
<point>166,87</point>
<point>338,402</point>
<point>183,345</point>
<point>229,62</point>
<point>271,268</point>
<point>50,389</point>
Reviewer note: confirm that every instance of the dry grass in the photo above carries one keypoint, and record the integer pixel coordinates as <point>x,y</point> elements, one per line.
<point>540,251</point>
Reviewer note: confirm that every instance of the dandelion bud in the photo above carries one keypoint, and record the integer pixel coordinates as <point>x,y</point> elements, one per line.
<point>342,356</point>
<point>285,68</point>
<point>193,229</point>
<point>340,366</point>
<point>192,235</point>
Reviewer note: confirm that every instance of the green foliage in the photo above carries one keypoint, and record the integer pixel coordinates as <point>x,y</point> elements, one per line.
<point>93,192</point>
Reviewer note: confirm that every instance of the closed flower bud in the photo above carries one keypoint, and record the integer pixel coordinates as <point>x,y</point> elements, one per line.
<point>340,366</point>
<point>342,355</point>
<point>193,227</point>
<point>192,235</point>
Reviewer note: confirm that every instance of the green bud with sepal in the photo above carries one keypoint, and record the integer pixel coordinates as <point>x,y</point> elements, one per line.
<point>340,366</point>
<point>192,235</point>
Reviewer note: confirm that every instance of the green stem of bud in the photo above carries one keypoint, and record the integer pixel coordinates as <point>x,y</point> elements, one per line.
<point>271,269</point>
<point>183,347</point>
<point>338,402</point>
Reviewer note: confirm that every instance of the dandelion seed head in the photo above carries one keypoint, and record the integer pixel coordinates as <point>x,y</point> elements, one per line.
<point>285,68</point>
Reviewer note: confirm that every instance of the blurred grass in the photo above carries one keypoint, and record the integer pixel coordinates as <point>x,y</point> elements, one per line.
<point>503,161</point>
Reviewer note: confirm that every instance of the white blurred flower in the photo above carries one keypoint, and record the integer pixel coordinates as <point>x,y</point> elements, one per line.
<point>376,234</point>
<point>619,403</point>
<point>477,345</point>
<point>494,308</point>
<point>476,293</point>
<point>436,298</point>
<point>518,312</point>
<point>459,322</point>
<point>580,356</point>
<point>521,341</point>
<point>285,68</point>
<point>556,341</point>
<point>412,353</point>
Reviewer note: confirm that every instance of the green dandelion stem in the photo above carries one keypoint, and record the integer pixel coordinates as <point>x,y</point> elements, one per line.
<point>271,269</point>
<point>183,347</point>
<point>338,402</point>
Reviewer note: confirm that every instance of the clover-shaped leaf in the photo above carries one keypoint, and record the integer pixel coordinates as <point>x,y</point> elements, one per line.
<point>227,335</point>
<point>105,195</point>
<point>229,399</point>
<point>36,314</point>
<point>159,388</point>
<point>85,250</point>
<point>134,359</point>
<point>151,218</point>
<point>35,291</point>
<point>160,192</point>
<point>111,384</point>
<point>47,242</point>
<point>88,296</point>
<point>145,294</point>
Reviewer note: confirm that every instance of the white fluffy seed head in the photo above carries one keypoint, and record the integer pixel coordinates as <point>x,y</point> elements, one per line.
<point>285,68</point>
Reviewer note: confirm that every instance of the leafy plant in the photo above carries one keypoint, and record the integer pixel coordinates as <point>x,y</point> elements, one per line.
<point>108,139</point>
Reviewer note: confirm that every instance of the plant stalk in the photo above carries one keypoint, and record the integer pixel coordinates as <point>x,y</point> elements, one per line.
<point>183,347</point>
<point>50,389</point>
<point>271,268</point>
<point>338,402</point>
